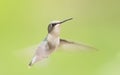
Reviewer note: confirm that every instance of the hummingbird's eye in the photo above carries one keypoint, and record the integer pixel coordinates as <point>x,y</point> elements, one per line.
<point>53,24</point>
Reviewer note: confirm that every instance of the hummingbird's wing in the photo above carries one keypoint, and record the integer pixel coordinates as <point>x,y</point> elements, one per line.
<point>40,54</point>
<point>72,46</point>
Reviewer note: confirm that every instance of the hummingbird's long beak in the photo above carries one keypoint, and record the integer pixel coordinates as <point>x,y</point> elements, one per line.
<point>65,20</point>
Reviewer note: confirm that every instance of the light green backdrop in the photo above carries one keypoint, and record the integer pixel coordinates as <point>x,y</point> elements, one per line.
<point>23,23</point>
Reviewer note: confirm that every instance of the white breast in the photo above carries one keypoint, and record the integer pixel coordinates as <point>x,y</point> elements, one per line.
<point>53,40</point>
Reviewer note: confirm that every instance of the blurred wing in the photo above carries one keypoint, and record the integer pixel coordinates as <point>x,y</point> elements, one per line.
<point>72,46</point>
<point>27,54</point>
<point>41,53</point>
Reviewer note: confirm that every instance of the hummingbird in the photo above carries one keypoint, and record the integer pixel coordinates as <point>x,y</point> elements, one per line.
<point>52,42</point>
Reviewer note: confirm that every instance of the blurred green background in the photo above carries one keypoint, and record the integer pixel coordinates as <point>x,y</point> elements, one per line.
<point>23,23</point>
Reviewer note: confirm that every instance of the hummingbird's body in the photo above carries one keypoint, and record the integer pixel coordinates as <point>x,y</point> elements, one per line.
<point>51,42</point>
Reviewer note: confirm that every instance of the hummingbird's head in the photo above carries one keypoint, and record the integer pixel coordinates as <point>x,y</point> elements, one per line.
<point>54,26</point>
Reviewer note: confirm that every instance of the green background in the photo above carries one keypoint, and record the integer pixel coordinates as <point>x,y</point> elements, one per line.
<point>23,24</point>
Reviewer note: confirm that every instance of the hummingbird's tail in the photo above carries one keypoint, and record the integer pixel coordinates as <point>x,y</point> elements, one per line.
<point>34,60</point>
<point>30,64</point>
